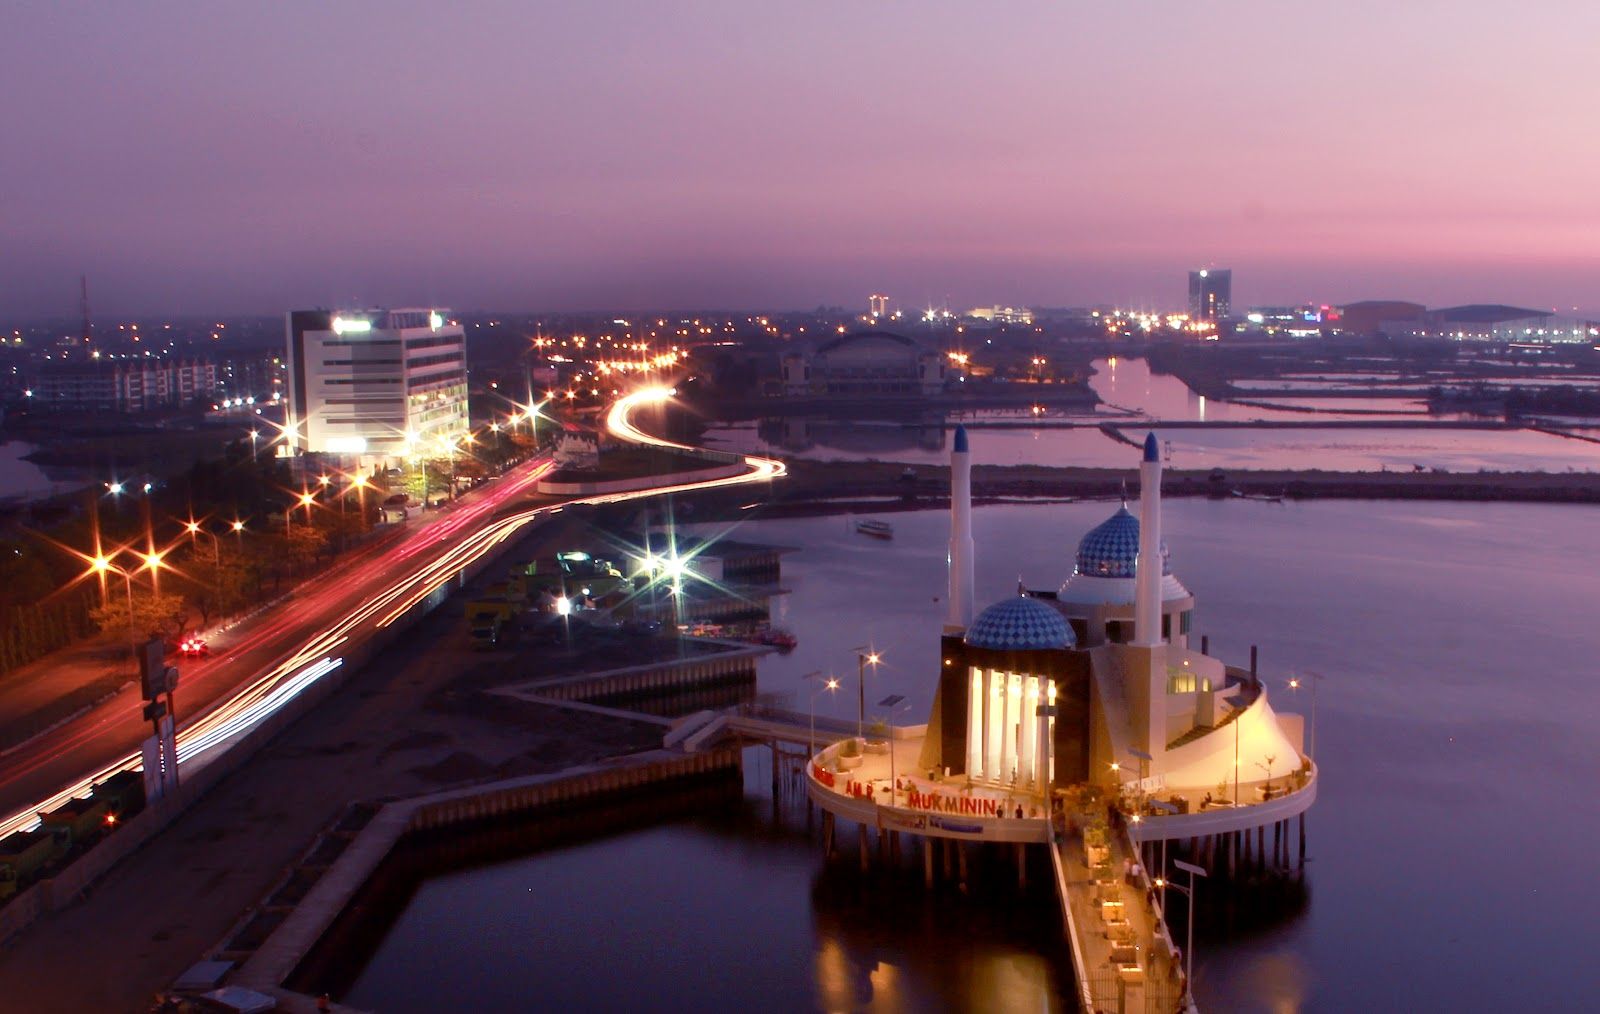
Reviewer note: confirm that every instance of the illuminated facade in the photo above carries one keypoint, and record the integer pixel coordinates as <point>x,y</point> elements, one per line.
<point>1210,293</point>
<point>375,382</point>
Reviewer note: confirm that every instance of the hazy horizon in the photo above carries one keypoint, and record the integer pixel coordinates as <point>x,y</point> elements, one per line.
<point>193,160</point>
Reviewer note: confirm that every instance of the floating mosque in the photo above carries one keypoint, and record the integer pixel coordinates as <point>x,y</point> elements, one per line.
<point>1094,687</point>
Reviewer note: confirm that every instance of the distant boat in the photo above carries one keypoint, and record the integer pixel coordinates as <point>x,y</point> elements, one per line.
<point>1263,497</point>
<point>876,529</point>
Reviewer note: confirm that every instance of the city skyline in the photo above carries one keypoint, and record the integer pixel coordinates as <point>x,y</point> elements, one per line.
<point>644,156</point>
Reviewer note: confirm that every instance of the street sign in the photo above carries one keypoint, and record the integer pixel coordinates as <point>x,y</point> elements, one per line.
<point>152,656</point>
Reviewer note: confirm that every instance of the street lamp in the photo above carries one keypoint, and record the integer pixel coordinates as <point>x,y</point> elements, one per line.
<point>153,563</point>
<point>864,657</point>
<point>1238,703</point>
<point>1294,684</point>
<point>254,436</point>
<point>894,702</point>
<point>1187,892</point>
<point>828,684</point>
<point>102,565</point>
<point>194,530</point>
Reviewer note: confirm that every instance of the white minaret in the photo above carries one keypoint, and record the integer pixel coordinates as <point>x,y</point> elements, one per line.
<point>961,552</point>
<point>1147,575</point>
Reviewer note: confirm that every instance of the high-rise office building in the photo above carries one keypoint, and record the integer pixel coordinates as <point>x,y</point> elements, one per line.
<point>1210,293</point>
<point>377,382</point>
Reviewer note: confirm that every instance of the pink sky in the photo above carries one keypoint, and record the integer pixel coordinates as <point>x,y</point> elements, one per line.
<point>200,158</point>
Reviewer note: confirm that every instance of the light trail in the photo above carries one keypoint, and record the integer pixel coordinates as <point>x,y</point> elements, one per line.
<point>223,722</point>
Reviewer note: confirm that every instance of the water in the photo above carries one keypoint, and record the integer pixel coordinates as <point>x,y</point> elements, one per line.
<point>746,921</point>
<point>1131,394</point>
<point>19,478</point>
<point>1451,861</point>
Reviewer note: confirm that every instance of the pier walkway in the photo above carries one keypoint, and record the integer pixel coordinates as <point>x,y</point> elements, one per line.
<point>1122,954</point>
<point>1124,958</point>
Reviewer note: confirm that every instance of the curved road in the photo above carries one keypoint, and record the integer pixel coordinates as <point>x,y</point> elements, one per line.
<point>274,657</point>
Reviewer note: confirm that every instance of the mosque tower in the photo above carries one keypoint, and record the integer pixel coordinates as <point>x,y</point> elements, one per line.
<point>961,550</point>
<point>1146,666</point>
<point>1147,587</point>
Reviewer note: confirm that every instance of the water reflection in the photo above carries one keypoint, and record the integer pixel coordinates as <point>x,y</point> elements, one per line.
<point>1459,655</point>
<point>1132,396</point>
<point>748,918</point>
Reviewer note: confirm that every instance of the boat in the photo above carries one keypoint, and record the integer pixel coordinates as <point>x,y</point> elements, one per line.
<point>874,528</point>
<point>1263,497</point>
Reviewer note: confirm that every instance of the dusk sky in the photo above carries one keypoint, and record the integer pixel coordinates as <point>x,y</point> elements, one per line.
<point>220,157</point>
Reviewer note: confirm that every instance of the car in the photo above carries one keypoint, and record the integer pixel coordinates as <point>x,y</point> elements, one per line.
<point>193,647</point>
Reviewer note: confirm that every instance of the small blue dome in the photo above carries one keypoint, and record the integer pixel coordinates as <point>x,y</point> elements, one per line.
<point>1020,624</point>
<point>1111,549</point>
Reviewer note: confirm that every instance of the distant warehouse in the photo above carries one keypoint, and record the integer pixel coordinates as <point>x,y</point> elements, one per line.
<point>380,383</point>
<point>1490,322</point>
<point>865,364</point>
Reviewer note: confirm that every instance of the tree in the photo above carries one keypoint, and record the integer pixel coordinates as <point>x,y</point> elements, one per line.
<point>217,587</point>
<point>158,615</point>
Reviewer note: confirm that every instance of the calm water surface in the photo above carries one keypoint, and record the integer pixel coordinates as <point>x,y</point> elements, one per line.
<point>1130,393</point>
<point>1451,861</point>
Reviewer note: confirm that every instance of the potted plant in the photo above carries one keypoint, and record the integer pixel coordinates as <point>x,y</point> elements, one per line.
<point>878,736</point>
<point>849,756</point>
<point>1220,797</point>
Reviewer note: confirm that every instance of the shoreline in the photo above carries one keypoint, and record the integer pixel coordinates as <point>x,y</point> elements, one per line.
<point>814,488</point>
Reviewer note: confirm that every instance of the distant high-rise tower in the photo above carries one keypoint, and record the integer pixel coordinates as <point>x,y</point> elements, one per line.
<point>1210,293</point>
<point>878,305</point>
<point>83,305</point>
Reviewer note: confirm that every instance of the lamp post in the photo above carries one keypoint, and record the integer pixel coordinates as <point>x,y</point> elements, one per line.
<point>1239,704</point>
<point>829,684</point>
<point>195,531</point>
<point>1294,684</point>
<point>894,702</point>
<point>1188,944</point>
<point>103,565</point>
<point>864,657</point>
<point>255,435</point>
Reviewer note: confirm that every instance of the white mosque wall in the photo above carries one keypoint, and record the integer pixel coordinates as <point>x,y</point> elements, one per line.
<point>1209,761</point>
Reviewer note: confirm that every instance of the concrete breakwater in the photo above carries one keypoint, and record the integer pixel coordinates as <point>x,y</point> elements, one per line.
<point>734,666</point>
<point>318,945</point>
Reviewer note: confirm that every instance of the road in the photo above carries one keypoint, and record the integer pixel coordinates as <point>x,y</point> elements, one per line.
<point>269,660</point>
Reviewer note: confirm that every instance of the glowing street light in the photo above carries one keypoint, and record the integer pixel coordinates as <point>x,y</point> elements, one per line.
<point>828,684</point>
<point>1311,739</point>
<point>864,657</point>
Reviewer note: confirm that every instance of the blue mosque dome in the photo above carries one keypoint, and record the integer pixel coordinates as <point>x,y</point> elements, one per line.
<point>1111,549</point>
<point>1020,624</point>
